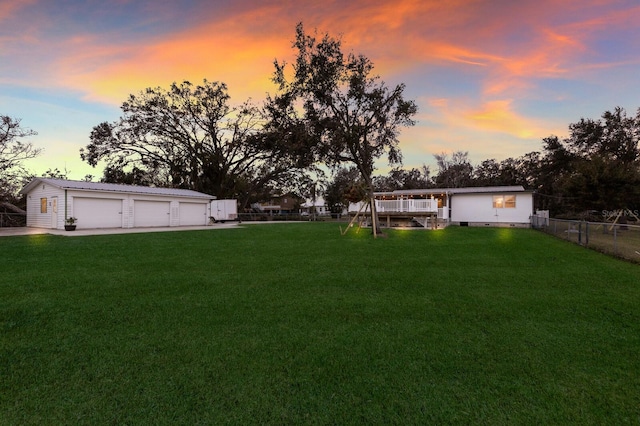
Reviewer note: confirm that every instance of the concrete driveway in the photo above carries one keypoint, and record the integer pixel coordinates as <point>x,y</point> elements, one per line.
<point>9,232</point>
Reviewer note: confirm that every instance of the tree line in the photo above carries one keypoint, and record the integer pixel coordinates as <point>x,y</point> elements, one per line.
<point>329,121</point>
<point>595,169</point>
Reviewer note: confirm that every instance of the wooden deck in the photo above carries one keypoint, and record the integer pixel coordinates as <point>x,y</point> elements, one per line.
<point>429,220</point>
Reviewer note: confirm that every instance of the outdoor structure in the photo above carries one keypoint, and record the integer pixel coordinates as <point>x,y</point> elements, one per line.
<point>281,205</point>
<point>50,202</point>
<point>491,206</point>
<point>439,207</point>
<point>223,210</point>
<point>315,207</point>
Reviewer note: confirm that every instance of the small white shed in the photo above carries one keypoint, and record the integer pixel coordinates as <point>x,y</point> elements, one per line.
<point>491,206</point>
<point>106,205</point>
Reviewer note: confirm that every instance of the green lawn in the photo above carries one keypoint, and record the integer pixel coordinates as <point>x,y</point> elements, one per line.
<point>294,323</point>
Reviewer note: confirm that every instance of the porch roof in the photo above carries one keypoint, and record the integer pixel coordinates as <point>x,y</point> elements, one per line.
<point>451,191</point>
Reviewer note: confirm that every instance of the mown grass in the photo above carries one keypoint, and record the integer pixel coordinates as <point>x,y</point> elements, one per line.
<point>293,323</point>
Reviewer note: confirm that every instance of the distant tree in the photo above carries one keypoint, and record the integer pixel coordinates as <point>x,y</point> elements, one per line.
<point>350,114</point>
<point>133,176</point>
<point>345,187</point>
<point>56,174</point>
<point>189,136</point>
<point>455,171</point>
<point>614,137</point>
<point>403,179</point>
<point>528,170</point>
<point>13,152</point>
<point>605,163</point>
<point>487,173</point>
<point>510,171</point>
<point>596,168</point>
<point>555,164</point>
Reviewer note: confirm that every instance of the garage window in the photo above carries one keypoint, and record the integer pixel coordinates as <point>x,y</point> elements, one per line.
<point>43,205</point>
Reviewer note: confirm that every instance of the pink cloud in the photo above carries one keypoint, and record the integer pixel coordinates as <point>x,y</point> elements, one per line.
<point>511,45</point>
<point>8,8</point>
<point>219,51</point>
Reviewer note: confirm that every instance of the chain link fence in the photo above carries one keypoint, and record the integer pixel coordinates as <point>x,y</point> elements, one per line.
<point>618,239</point>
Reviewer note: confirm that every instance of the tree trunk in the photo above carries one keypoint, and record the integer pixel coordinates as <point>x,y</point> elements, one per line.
<point>374,216</point>
<point>372,203</point>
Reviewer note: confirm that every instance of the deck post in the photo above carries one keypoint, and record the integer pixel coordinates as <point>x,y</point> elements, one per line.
<point>374,216</point>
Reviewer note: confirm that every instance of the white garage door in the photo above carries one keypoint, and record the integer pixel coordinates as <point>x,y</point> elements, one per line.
<point>150,213</point>
<point>97,212</point>
<point>193,214</point>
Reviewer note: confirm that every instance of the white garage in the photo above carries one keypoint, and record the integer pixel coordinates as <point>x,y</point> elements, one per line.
<point>151,213</point>
<point>193,214</point>
<point>98,212</point>
<point>50,202</point>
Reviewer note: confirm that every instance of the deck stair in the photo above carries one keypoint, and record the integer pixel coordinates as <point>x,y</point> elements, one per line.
<point>422,221</point>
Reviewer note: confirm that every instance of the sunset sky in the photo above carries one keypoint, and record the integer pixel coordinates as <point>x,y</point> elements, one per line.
<point>491,77</point>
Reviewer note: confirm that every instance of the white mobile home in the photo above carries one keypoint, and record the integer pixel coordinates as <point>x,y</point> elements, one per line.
<point>105,205</point>
<point>439,207</point>
<point>491,206</point>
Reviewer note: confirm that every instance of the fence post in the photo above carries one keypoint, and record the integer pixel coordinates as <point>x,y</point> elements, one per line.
<point>580,232</point>
<point>615,239</point>
<point>586,233</point>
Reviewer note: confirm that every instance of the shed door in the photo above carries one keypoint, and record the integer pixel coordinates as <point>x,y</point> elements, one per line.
<point>193,214</point>
<point>54,212</point>
<point>151,213</point>
<point>97,212</point>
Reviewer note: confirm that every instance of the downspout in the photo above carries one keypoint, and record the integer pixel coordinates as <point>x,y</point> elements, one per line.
<point>65,207</point>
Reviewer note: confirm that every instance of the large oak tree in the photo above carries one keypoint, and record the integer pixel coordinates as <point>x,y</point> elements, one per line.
<point>190,136</point>
<point>350,114</point>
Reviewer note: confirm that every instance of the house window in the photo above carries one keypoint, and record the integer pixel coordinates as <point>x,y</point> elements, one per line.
<point>43,205</point>
<point>504,201</point>
<point>509,201</point>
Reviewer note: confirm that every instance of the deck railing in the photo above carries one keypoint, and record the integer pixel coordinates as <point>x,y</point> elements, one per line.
<point>407,206</point>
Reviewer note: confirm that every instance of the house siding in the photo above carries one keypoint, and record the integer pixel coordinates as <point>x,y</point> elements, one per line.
<point>37,219</point>
<point>477,209</point>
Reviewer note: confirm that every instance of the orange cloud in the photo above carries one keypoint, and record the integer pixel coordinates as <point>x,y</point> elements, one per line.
<point>220,51</point>
<point>405,35</point>
<point>499,116</point>
<point>225,50</point>
<point>481,124</point>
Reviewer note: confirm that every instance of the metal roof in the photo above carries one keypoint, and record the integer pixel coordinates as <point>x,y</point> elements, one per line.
<point>451,191</point>
<point>115,187</point>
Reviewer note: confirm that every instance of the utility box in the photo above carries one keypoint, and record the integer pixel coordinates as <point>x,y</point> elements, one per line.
<point>224,210</point>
